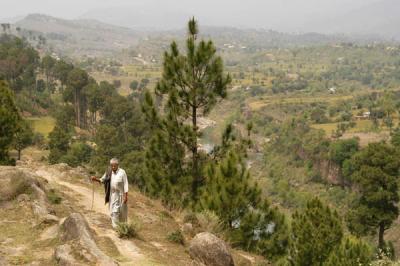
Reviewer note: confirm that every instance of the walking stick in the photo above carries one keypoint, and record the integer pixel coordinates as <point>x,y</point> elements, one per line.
<point>92,195</point>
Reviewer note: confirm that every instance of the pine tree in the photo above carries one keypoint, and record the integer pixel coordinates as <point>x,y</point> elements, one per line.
<point>59,141</point>
<point>263,230</point>
<point>350,253</point>
<point>316,232</point>
<point>229,192</point>
<point>341,151</point>
<point>77,80</point>
<point>9,121</point>
<point>375,173</point>
<point>165,169</point>
<point>193,83</point>
<point>23,137</point>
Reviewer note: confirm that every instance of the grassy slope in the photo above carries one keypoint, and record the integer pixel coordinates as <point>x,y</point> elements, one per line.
<point>43,125</point>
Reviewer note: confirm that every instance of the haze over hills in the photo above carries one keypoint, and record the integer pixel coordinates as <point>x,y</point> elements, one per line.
<point>327,16</point>
<point>378,18</point>
<point>91,37</point>
<point>81,36</point>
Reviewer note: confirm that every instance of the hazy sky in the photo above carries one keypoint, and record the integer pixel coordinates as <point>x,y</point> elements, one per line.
<point>255,13</point>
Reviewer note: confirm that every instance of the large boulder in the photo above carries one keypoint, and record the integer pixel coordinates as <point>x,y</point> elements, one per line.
<point>64,257</point>
<point>16,183</point>
<point>75,228</point>
<point>209,250</point>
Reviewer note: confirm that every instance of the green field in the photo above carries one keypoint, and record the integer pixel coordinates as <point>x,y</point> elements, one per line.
<point>43,125</point>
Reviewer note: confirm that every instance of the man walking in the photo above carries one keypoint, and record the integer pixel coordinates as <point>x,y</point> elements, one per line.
<point>116,187</point>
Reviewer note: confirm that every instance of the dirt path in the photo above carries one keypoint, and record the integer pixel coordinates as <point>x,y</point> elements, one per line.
<point>132,255</point>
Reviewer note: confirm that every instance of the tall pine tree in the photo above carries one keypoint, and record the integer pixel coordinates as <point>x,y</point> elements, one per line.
<point>9,121</point>
<point>375,173</point>
<point>193,82</point>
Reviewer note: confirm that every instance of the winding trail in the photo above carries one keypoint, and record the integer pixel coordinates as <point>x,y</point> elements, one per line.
<point>131,254</point>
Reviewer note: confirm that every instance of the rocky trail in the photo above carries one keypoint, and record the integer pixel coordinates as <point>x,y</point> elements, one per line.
<point>129,251</point>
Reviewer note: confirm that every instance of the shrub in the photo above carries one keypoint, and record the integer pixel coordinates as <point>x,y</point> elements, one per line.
<point>190,217</point>
<point>176,237</point>
<point>53,197</point>
<point>78,154</point>
<point>127,230</point>
<point>208,221</point>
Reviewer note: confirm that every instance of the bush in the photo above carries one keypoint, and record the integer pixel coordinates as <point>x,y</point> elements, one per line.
<point>208,221</point>
<point>53,197</point>
<point>78,154</point>
<point>191,217</point>
<point>127,230</point>
<point>176,237</point>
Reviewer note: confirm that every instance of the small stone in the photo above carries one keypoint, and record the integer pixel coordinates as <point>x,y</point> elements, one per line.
<point>187,229</point>
<point>23,198</point>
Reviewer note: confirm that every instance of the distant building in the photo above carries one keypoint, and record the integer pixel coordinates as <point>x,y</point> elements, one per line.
<point>365,115</point>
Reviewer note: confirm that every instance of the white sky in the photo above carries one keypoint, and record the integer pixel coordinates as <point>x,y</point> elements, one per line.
<point>248,13</point>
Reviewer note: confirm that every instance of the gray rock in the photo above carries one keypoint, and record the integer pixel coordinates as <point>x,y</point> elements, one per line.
<point>50,219</point>
<point>205,248</point>
<point>75,227</point>
<point>23,198</point>
<point>63,256</point>
<point>38,209</point>
<point>187,229</point>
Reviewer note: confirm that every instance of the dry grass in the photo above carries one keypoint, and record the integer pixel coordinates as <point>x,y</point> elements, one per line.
<point>20,242</point>
<point>208,221</point>
<point>16,183</point>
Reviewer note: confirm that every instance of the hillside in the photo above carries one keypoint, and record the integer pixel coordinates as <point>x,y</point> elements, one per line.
<point>79,37</point>
<point>61,192</point>
<point>92,38</point>
<point>380,18</point>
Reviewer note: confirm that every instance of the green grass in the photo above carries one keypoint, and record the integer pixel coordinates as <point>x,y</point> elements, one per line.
<point>43,125</point>
<point>127,230</point>
<point>53,197</point>
<point>362,126</point>
<point>176,237</point>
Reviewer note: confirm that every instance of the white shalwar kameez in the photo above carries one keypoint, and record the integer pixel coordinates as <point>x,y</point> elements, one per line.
<point>118,187</point>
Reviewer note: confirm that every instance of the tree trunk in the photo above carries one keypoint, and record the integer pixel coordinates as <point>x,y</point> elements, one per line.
<point>195,172</point>
<point>76,107</point>
<point>19,154</point>
<point>381,243</point>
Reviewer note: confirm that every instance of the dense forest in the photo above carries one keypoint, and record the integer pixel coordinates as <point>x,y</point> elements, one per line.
<point>293,173</point>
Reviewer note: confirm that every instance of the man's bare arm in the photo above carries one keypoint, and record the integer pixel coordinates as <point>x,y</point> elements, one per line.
<point>125,197</point>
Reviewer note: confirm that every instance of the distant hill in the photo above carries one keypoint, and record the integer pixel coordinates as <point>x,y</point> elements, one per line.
<point>79,37</point>
<point>381,18</point>
<point>89,37</point>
